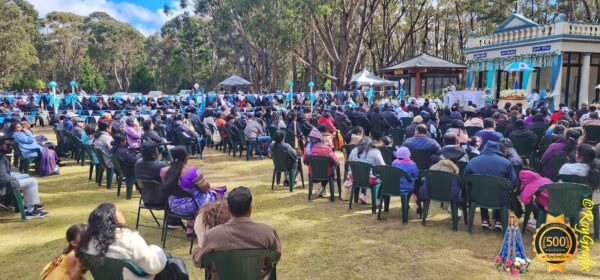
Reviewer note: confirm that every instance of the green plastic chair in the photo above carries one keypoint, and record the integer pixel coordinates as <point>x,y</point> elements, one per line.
<point>234,143</point>
<point>360,176</point>
<point>240,264</point>
<point>22,162</point>
<point>187,142</point>
<point>347,149</point>
<point>471,130</point>
<point>422,158</point>
<point>251,145</point>
<point>80,150</point>
<point>118,163</point>
<point>388,154</point>
<point>109,268</point>
<point>485,191</point>
<point>280,164</point>
<point>406,121</point>
<point>439,186</point>
<point>102,155</point>
<point>397,136</point>
<point>595,209</point>
<point>390,186</point>
<point>592,134</point>
<point>148,192</point>
<point>563,198</point>
<point>18,198</point>
<point>320,166</point>
<point>60,142</point>
<point>93,163</point>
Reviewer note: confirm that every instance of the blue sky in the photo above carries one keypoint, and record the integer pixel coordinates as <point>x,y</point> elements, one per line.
<point>145,15</point>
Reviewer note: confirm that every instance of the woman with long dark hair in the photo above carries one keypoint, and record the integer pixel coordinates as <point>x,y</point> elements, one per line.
<point>190,179</point>
<point>108,237</point>
<point>364,152</point>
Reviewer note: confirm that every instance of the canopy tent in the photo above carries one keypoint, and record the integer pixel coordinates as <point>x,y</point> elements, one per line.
<point>235,81</point>
<point>598,87</point>
<point>366,78</point>
<point>518,67</point>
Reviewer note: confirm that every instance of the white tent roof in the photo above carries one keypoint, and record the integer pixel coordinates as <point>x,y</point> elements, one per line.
<point>366,78</point>
<point>235,81</point>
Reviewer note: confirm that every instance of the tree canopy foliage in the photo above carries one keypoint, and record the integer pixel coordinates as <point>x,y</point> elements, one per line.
<point>268,42</point>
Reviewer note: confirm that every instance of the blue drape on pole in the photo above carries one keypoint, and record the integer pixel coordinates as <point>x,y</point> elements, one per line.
<point>490,76</point>
<point>556,66</point>
<point>470,75</point>
<point>526,74</point>
<point>203,105</point>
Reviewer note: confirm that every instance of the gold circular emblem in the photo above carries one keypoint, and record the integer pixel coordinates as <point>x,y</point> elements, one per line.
<point>555,243</point>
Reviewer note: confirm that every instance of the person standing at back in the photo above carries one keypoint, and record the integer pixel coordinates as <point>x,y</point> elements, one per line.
<point>239,233</point>
<point>489,133</point>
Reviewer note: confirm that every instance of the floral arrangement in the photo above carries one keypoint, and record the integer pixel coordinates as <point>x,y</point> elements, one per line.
<point>519,266</point>
<point>513,94</point>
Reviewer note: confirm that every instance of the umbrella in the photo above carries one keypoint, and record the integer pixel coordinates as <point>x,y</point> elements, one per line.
<point>366,78</point>
<point>518,67</point>
<point>235,81</point>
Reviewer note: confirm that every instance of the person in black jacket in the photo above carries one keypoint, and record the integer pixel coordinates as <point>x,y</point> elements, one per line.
<point>342,121</point>
<point>361,119</point>
<point>389,115</point>
<point>129,156</point>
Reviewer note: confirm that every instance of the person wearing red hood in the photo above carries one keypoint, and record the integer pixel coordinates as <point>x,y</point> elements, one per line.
<point>530,183</point>
<point>556,116</point>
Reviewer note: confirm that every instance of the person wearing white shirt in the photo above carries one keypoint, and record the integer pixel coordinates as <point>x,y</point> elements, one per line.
<point>532,98</point>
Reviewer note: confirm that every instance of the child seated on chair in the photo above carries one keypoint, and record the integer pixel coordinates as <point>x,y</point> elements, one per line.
<point>404,162</point>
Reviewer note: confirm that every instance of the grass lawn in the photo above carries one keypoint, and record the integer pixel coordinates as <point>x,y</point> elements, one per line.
<point>321,240</point>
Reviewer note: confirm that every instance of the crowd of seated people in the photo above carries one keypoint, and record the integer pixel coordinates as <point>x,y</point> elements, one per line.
<point>459,140</point>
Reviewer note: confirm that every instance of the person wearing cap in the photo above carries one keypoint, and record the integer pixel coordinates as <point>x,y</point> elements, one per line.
<point>491,162</point>
<point>21,182</point>
<point>68,123</point>
<point>317,147</point>
<point>409,131</point>
<point>78,130</point>
<point>404,162</point>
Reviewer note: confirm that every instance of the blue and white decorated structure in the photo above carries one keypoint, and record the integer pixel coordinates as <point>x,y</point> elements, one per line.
<point>565,57</point>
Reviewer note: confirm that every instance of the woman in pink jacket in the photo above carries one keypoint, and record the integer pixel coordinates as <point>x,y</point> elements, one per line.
<point>316,147</point>
<point>530,183</point>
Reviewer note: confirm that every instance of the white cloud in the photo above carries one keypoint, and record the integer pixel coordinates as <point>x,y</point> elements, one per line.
<point>143,19</point>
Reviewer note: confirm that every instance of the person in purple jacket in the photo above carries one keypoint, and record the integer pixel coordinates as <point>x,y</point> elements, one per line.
<point>404,162</point>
